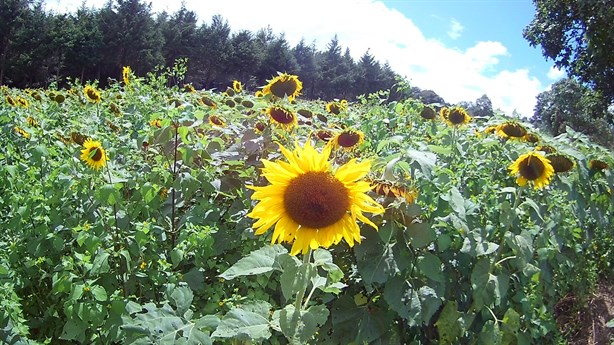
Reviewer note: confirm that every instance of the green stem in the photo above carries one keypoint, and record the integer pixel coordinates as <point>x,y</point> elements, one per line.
<point>299,297</point>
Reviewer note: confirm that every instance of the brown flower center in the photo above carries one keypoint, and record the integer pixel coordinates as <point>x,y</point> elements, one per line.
<point>560,163</point>
<point>281,115</point>
<point>348,139</point>
<point>316,199</point>
<point>531,169</point>
<point>324,135</point>
<point>91,94</point>
<point>216,120</point>
<point>514,130</point>
<point>428,113</point>
<point>456,117</point>
<point>284,87</point>
<point>97,154</point>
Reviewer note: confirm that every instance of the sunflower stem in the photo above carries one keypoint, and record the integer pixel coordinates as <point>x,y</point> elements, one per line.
<point>301,293</point>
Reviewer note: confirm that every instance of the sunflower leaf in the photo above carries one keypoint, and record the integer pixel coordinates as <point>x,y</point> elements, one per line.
<point>257,262</point>
<point>426,160</point>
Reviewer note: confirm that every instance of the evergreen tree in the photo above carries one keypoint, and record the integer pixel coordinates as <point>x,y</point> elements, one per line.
<point>307,68</point>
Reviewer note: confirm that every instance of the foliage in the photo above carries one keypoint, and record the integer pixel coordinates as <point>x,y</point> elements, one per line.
<point>577,35</point>
<point>569,103</point>
<point>156,247</point>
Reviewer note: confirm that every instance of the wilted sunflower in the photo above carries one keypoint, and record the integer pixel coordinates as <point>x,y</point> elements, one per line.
<point>78,138</point>
<point>595,164</point>
<point>93,154</point>
<point>532,166</point>
<point>428,113</point>
<point>282,117</point>
<point>456,116</point>
<point>560,163</point>
<point>306,113</point>
<point>324,135</point>
<point>392,190</point>
<point>237,86</point>
<point>208,102</point>
<point>531,138</point>
<point>511,129</point>
<point>348,139</point>
<point>126,71</point>
<point>216,121</point>
<point>309,204</point>
<point>115,109</point>
<point>91,94</point>
<point>284,85</point>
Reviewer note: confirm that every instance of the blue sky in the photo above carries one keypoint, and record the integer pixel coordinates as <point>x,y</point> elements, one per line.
<point>461,49</point>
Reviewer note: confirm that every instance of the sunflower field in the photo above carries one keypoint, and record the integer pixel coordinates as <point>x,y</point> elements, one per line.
<point>145,213</point>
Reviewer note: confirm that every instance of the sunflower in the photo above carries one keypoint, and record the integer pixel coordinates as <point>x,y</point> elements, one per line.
<point>334,108</point>
<point>392,190</point>
<point>115,109</point>
<point>189,88</point>
<point>59,98</point>
<point>208,102</point>
<point>309,204</point>
<point>22,132</point>
<point>11,101</point>
<point>156,123</point>
<point>546,149</point>
<point>490,129</point>
<point>282,117</point>
<point>511,129</point>
<point>306,113</point>
<point>78,138</point>
<point>560,163</point>
<point>259,127</point>
<point>258,93</point>
<point>324,135</point>
<point>91,94</point>
<point>531,138</point>
<point>428,113</point>
<point>126,71</point>
<point>93,154</point>
<point>22,102</point>
<point>348,139</point>
<point>32,121</point>
<point>237,86</point>
<point>216,121</point>
<point>595,164</point>
<point>532,166</point>
<point>456,116</point>
<point>284,85</point>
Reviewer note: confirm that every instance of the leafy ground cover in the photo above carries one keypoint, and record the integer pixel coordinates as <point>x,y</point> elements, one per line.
<point>128,217</point>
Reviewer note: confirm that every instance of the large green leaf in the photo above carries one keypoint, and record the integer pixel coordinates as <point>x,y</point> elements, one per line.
<point>403,298</point>
<point>449,324</point>
<point>247,323</point>
<point>257,262</point>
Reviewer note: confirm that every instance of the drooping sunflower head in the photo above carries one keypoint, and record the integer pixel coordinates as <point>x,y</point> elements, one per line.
<point>126,71</point>
<point>237,86</point>
<point>306,113</point>
<point>282,117</point>
<point>91,94</point>
<point>394,190</point>
<point>216,121</point>
<point>10,100</point>
<point>22,102</point>
<point>455,116</point>
<point>205,100</point>
<point>532,166</point>
<point>324,135</point>
<point>560,163</point>
<point>22,132</point>
<point>189,88</point>
<point>428,113</point>
<point>348,139</point>
<point>78,138</point>
<point>32,121</point>
<point>284,85</point>
<point>511,129</point>
<point>311,205</point>
<point>531,138</point>
<point>93,154</point>
<point>596,164</point>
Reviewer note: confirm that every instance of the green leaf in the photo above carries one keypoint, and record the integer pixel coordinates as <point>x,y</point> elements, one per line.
<point>176,256</point>
<point>481,283</point>
<point>99,293</point>
<point>426,160</point>
<point>295,279</point>
<point>420,234</point>
<point>108,194</point>
<point>448,324</point>
<point>430,265</point>
<point>299,327</point>
<point>456,201</point>
<point>100,264</point>
<point>511,321</point>
<point>403,298</point>
<point>182,297</point>
<point>534,206</point>
<point>610,324</point>
<point>244,324</point>
<point>257,262</point>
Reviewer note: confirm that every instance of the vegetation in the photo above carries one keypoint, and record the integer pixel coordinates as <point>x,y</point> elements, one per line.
<point>127,216</point>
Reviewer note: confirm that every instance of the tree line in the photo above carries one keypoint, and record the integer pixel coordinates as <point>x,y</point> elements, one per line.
<point>38,47</point>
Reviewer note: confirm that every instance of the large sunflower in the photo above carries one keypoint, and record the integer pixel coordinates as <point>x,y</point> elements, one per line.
<point>532,166</point>
<point>456,116</point>
<point>309,204</point>
<point>284,85</point>
<point>511,129</point>
<point>282,117</point>
<point>91,94</point>
<point>93,154</point>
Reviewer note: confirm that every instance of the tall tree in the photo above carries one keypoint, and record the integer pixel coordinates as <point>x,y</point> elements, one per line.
<point>245,59</point>
<point>277,58</point>
<point>13,17</point>
<point>578,35</point>
<point>179,33</point>
<point>212,52</point>
<point>305,56</point>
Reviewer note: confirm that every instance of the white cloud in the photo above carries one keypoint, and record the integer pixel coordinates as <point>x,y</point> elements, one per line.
<point>556,73</point>
<point>455,30</point>
<point>457,75</point>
